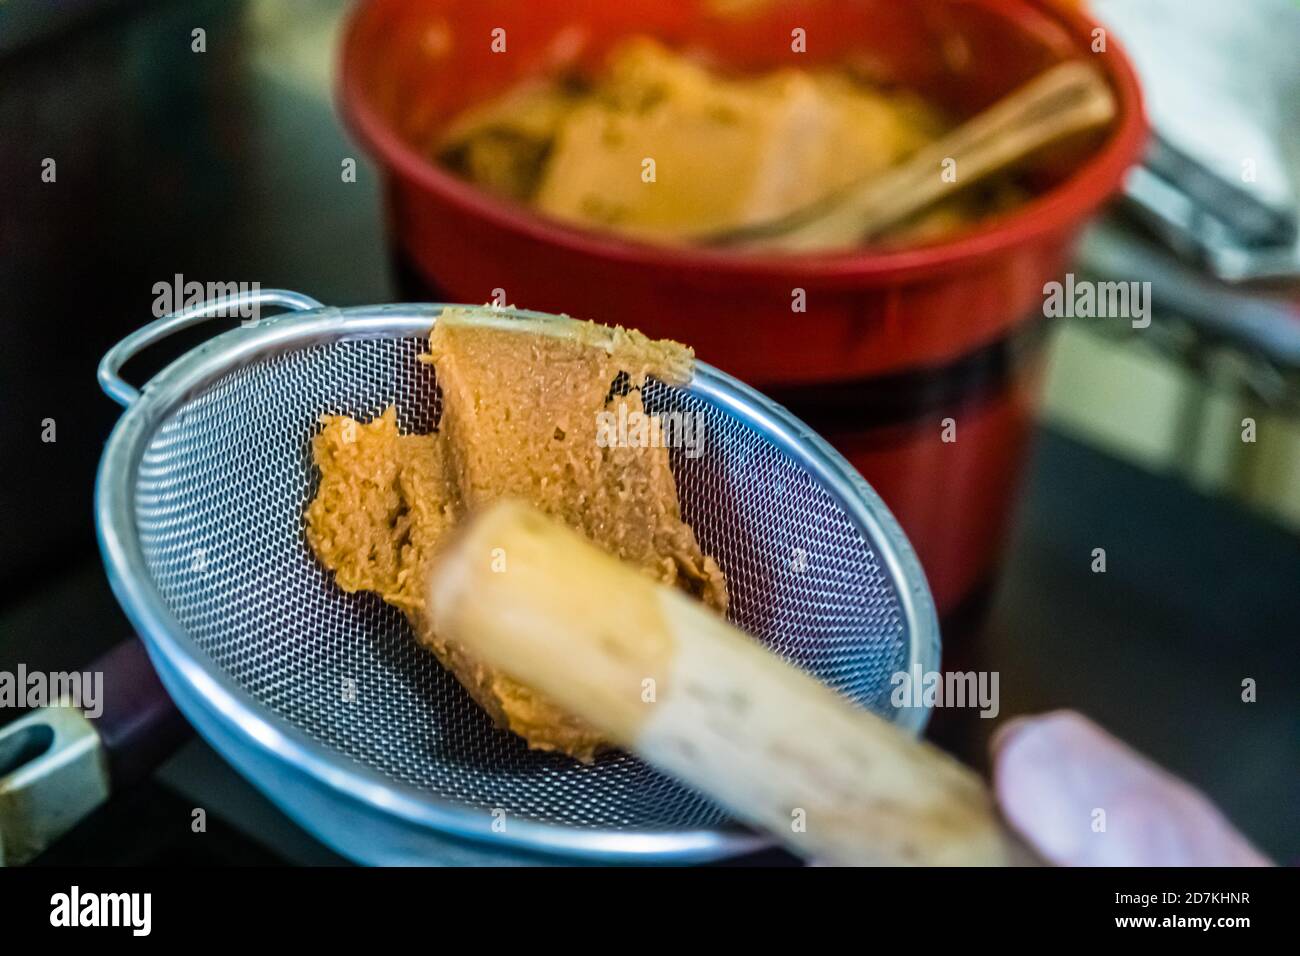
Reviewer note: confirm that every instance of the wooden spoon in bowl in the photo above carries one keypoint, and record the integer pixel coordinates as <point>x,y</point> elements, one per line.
<point>1067,99</point>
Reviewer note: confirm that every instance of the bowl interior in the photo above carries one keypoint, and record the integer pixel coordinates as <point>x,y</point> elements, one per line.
<point>419,64</point>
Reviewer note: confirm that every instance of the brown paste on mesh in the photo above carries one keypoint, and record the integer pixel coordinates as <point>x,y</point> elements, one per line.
<point>521,399</point>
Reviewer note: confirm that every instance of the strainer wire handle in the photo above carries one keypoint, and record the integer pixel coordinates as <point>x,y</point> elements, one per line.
<point>111,364</point>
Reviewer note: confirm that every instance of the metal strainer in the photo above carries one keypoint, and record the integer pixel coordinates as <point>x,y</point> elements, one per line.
<point>324,700</point>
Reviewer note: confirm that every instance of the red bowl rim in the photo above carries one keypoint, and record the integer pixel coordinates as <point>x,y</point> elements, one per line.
<point>1066,205</point>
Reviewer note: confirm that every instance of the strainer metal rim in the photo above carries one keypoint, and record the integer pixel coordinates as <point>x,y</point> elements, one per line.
<point>185,668</point>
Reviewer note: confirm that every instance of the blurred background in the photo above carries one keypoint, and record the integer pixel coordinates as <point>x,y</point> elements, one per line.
<point>225,165</point>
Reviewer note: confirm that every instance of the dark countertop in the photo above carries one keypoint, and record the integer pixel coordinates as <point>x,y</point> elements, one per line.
<point>224,166</point>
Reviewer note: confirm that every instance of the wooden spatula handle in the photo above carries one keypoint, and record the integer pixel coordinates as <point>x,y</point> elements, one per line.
<point>1069,98</point>
<point>670,680</point>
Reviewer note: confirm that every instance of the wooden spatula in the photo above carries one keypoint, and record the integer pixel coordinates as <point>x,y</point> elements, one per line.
<point>1067,99</point>
<point>667,678</point>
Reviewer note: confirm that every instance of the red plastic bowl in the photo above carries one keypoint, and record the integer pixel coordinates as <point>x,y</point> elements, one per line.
<point>408,66</point>
<point>895,343</point>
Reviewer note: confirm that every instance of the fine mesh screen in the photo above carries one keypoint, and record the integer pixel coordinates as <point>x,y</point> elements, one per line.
<point>219,504</point>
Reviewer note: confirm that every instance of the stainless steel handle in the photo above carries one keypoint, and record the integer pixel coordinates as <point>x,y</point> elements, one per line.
<point>53,772</point>
<point>57,764</point>
<point>111,364</point>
